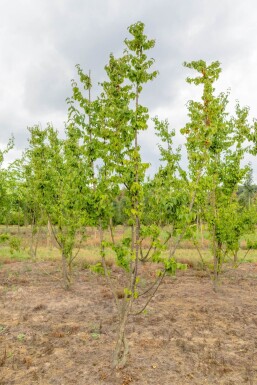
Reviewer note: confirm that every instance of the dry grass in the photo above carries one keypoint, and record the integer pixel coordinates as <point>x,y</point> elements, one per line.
<point>89,254</point>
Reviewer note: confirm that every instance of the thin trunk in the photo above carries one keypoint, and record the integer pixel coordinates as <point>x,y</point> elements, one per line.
<point>215,267</point>
<point>111,231</point>
<point>201,228</point>
<point>49,236</point>
<point>217,264</point>
<point>7,224</point>
<point>36,244</point>
<point>106,272</point>
<point>235,257</point>
<point>136,227</point>
<point>33,241</point>
<point>215,243</point>
<point>95,235</point>
<point>65,274</point>
<point>121,349</point>
<point>70,271</point>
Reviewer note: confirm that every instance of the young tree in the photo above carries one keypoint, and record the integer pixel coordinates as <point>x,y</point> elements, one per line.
<point>131,170</point>
<point>118,118</point>
<point>217,141</point>
<point>248,189</point>
<point>56,174</point>
<point>124,119</point>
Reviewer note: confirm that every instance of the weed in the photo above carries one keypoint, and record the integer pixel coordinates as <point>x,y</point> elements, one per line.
<point>2,328</point>
<point>97,268</point>
<point>96,330</point>
<point>95,336</point>
<point>21,337</point>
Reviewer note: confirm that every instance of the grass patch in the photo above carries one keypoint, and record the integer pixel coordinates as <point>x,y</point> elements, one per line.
<point>8,255</point>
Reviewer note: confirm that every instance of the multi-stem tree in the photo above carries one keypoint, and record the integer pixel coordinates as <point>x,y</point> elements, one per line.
<point>217,141</point>
<point>136,71</point>
<point>118,118</point>
<point>124,119</point>
<point>57,174</point>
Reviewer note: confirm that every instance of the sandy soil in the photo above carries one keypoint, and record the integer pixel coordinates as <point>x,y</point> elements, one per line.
<point>190,335</point>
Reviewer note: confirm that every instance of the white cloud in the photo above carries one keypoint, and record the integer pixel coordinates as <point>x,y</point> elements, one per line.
<point>41,41</point>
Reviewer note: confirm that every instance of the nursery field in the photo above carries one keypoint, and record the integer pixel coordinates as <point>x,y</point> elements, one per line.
<point>188,335</point>
<point>112,273</point>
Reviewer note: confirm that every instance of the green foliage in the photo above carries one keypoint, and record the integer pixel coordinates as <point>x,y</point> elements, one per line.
<point>6,186</point>
<point>21,337</point>
<point>95,336</point>
<point>216,141</point>
<point>15,244</point>
<point>123,253</point>
<point>57,181</point>
<point>4,237</point>
<point>12,241</point>
<point>170,264</point>
<point>120,217</point>
<point>251,244</point>
<point>97,268</point>
<point>248,190</point>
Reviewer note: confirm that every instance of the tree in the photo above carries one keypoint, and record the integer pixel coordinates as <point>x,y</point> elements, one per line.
<point>115,120</point>
<point>131,170</point>
<point>248,189</point>
<point>56,173</point>
<point>217,141</point>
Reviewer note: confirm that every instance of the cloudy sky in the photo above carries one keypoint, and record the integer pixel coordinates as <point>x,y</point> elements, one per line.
<point>41,41</point>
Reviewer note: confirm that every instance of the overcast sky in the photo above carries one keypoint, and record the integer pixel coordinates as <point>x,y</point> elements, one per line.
<point>41,41</point>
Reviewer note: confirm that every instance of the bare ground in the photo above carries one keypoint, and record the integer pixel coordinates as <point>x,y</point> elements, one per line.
<point>190,335</point>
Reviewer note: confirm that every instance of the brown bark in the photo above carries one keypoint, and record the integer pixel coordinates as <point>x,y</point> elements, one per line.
<point>65,274</point>
<point>121,349</point>
<point>49,236</point>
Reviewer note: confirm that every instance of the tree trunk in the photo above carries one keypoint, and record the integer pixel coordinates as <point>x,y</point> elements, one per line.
<point>95,236</point>
<point>216,276</point>
<point>121,350</point>
<point>235,257</point>
<point>65,274</point>
<point>33,243</point>
<point>49,236</point>
<point>31,240</point>
<point>217,265</point>
<point>201,229</point>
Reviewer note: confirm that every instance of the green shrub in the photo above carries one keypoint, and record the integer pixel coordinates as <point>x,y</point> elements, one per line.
<point>15,244</point>
<point>4,237</point>
<point>252,244</point>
